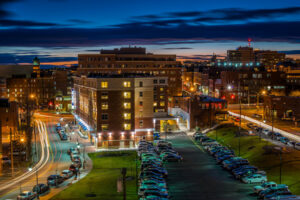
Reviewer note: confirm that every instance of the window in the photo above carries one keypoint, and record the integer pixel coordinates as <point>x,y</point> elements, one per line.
<point>141,103</point>
<point>127,116</point>
<point>127,105</point>
<point>162,81</point>
<point>254,75</point>
<point>161,89</point>
<point>141,123</point>
<point>162,103</point>
<point>161,97</point>
<point>104,106</point>
<point>141,94</point>
<point>104,84</point>
<point>141,83</point>
<point>155,81</point>
<point>104,95</point>
<point>104,127</point>
<point>104,116</point>
<point>155,104</point>
<point>127,84</point>
<point>127,126</point>
<point>127,95</point>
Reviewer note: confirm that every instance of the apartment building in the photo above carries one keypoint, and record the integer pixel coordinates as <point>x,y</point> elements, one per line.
<point>133,60</point>
<point>115,110</point>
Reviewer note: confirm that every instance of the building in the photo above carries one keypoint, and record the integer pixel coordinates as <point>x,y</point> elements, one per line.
<point>133,60</point>
<point>268,58</point>
<point>116,110</point>
<point>7,71</point>
<point>63,84</point>
<point>241,55</point>
<point>282,107</point>
<point>250,86</point>
<point>41,89</point>
<point>36,67</point>
<point>198,110</point>
<point>293,80</point>
<point>9,118</point>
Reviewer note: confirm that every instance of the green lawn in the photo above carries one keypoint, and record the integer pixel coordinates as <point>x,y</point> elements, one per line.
<point>102,180</point>
<point>263,155</point>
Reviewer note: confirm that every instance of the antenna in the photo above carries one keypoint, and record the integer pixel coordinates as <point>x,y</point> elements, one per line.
<point>249,42</point>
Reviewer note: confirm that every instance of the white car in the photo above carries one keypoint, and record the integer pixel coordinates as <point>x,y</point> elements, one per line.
<point>255,178</point>
<point>264,186</point>
<point>26,195</point>
<point>66,174</point>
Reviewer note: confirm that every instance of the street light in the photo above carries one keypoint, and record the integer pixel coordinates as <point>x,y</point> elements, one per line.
<point>229,87</point>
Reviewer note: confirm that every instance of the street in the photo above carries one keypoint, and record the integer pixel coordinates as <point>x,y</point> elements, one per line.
<point>58,161</point>
<point>199,177</point>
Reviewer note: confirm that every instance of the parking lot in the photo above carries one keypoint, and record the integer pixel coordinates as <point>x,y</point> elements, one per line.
<point>198,176</point>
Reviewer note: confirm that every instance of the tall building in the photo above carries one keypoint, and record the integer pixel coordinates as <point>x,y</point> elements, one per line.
<point>241,55</point>
<point>133,60</point>
<point>269,58</point>
<point>36,67</point>
<point>119,108</point>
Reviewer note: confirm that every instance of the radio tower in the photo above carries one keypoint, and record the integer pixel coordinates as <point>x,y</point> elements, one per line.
<point>249,42</point>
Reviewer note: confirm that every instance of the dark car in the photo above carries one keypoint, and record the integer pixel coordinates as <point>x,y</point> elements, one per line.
<point>40,188</point>
<point>55,180</point>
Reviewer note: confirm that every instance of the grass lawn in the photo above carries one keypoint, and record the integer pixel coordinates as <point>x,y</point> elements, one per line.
<point>102,180</point>
<point>262,154</point>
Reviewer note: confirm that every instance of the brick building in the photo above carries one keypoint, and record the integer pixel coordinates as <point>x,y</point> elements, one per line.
<point>133,60</point>
<point>117,108</point>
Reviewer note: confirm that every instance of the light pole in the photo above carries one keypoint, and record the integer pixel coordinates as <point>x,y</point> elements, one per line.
<point>240,117</point>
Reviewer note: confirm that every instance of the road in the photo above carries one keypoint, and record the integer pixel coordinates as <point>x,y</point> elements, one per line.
<point>199,177</point>
<point>57,161</point>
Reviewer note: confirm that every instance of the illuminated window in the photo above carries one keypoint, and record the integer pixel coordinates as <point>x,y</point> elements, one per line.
<point>161,97</point>
<point>104,106</point>
<point>127,115</point>
<point>161,89</point>
<point>155,104</point>
<point>104,127</point>
<point>127,126</point>
<point>127,105</point>
<point>162,103</point>
<point>127,95</point>
<point>141,123</point>
<point>141,103</point>
<point>104,84</point>
<point>126,83</point>
<point>104,95</point>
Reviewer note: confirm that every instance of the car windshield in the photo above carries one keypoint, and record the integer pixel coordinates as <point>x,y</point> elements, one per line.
<point>23,194</point>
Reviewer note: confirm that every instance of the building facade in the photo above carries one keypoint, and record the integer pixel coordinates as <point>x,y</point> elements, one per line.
<point>133,60</point>
<point>119,107</point>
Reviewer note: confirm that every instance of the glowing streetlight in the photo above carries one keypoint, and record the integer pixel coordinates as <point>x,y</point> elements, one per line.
<point>229,87</point>
<point>30,169</point>
<point>32,96</point>
<point>263,92</point>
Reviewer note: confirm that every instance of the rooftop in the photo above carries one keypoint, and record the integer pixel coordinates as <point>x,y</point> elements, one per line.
<point>123,75</point>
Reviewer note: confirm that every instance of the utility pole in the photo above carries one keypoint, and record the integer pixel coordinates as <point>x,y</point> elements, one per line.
<point>11,153</point>
<point>240,117</point>
<point>123,171</point>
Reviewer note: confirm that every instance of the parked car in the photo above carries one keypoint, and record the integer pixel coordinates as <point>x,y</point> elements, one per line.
<point>26,195</point>
<point>40,188</point>
<point>255,178</point>
<point>67,174</point>
<point>54,180</point>
<point>257,189</point>
<point>153,182</point>
<point>172,158</point>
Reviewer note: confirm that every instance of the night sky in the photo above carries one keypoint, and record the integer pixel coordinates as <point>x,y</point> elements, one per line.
<point>57,30</point>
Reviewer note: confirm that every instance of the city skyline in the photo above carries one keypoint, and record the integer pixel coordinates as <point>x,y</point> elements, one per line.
<point>191,30</point>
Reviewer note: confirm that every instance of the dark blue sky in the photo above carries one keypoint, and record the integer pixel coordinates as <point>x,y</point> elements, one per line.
<point>64,28</point>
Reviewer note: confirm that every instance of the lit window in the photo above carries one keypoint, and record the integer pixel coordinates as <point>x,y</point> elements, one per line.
<point>161,97</point>
<point>127,105</point>
<point>155,104</point>
<point>104,106</point>
<point>127,126</point>
<point>141,123</point>
<point>104,84</point>
<point>161,89</point>
<point>104,95</point>
<point>127,95</point>
<point>127,115</point>
<point>127,84</point>
<point>104,127</point>
<point>162,103</point>
<point>141,103</point>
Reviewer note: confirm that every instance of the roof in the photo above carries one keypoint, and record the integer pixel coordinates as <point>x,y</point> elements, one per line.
<point>123,75</point>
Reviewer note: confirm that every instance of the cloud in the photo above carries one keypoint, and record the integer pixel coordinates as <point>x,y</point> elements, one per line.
<point>4,13</point>
<point>139,34</point>
<point>79,21</point>
<point>174,48</point>
<point>23,23</point>
<point>290,52</point>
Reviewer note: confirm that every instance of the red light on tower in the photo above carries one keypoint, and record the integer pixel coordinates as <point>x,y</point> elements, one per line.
<point>249,41</point>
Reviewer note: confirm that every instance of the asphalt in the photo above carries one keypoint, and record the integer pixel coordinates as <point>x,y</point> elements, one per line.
<point>199,177</point>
